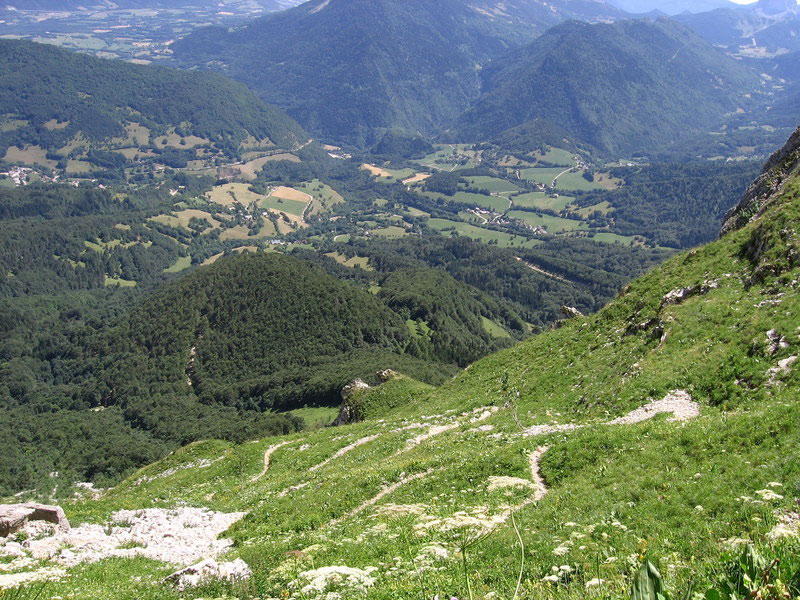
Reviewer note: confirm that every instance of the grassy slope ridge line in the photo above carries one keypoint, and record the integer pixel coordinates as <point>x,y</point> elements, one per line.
<point>716,326</point>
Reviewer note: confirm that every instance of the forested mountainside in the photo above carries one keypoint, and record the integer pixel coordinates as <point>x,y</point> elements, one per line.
<point>57,106</point>
<point>76,342</point>
<point>651,446</point>
<point>304,59</point>
<point>625,87</point>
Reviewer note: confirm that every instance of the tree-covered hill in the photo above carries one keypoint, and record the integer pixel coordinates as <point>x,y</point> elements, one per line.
<point>623,87</point>
<point>215,352</point>
<point>68,104</point>
<point>346,68</point>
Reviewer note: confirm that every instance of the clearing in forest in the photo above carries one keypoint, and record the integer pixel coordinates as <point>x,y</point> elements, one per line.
<point>233,193</point>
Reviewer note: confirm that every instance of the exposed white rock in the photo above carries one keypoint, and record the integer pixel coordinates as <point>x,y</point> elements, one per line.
<point>14,517</point>
<point>679,295</point>
<point>210,570</point>
<point>679,403</point>
<point>548,429</point>
<point>13,580</point>
<point>181,536</point>
<point>12,549</point>
<point>353,387</point>
<point>775,342</point>
<point>784,368</point>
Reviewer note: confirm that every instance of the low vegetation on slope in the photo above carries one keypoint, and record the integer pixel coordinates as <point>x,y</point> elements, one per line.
<point>546,470</point>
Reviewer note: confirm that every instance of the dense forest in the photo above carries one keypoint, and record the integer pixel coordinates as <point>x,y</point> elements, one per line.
<point>673,205</point>
<point>588,274</point>
<point>213,354</point>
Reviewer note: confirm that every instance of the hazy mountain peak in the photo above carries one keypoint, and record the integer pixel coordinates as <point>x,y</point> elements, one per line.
<point>776,7</point>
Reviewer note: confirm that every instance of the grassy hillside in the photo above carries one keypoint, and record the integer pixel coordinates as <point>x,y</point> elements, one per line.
<point>543,471</point>
<point>57,106</point>
<point>622,87</point>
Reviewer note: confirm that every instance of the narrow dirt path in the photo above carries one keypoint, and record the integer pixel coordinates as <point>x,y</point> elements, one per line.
<point>436,430</point>
<point>678,403</point>
<point>380,496</point>
<point>345,450</point>
<point>541,271</point>
<point>555,181</point>
<point>540,489</point>
<point>267,456</point>
<point>308,206</point>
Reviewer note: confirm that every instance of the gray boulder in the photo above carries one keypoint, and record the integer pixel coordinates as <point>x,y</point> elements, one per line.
<point>14,517</point>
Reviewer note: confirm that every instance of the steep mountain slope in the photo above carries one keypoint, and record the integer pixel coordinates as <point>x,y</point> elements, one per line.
<point>67,103</point>
<point>344,68</point>
<point>622,87</point>
<point>555,454</point>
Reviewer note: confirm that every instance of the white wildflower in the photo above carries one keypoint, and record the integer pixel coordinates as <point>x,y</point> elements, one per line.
<point>326,579</point>
<point>595,582</point>
<point>768,495</point>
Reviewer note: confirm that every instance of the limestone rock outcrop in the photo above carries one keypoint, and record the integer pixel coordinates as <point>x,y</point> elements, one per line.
<point>209,570</point>
<point>14,517</point>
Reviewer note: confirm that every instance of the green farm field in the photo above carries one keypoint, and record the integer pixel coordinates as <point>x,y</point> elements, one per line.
<point>542,200</point>
<point>552,224</point>
<point>504,240</point>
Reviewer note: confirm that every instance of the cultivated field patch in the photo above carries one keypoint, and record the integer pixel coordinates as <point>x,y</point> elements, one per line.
<point>552,224</point>
<point>29,155</point>
<point>501,238</point>
<point>542,200</point>
<point>233,193</point>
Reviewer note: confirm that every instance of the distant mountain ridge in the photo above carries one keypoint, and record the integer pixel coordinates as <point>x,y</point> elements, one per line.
<point>671,7</point>
<point>767,27</point>
<point>620,88</point>
<point>346,68</point>
<point>70,5</point>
